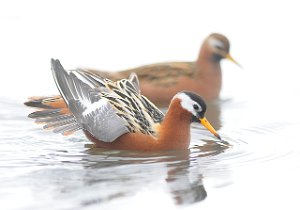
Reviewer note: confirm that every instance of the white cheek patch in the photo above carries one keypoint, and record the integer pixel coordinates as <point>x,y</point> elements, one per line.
<point>216,43</point>
<point>187,103</point>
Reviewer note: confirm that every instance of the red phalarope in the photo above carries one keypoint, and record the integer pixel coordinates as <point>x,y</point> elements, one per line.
<point>203,76</point>
<point>115,115</point>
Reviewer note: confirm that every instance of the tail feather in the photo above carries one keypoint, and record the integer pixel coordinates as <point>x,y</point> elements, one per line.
<point>54,113</point>
<point>51,102</point>
<point>54,118</point>
<point>59,123</point>
<point>66,128</point>
<point>45,113</point>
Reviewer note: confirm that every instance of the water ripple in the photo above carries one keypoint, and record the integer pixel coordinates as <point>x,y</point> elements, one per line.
<point>72,169</point>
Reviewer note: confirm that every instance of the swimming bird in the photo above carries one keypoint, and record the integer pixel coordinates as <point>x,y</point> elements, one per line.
<point>160,82</point>
<point>115,115</point>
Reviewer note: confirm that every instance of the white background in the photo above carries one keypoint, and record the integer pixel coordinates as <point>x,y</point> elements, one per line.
<point>115,35</point>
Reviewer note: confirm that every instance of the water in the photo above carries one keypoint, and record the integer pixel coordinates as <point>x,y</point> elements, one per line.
<point>256,166</point>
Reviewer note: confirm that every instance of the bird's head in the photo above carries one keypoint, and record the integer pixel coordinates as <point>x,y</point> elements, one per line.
<point>220,47</point>
<point>194,104</point>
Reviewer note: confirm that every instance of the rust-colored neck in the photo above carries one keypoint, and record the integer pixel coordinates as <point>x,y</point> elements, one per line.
<point>175,128</point>
<point>208,73</point>
<point>207,63</point>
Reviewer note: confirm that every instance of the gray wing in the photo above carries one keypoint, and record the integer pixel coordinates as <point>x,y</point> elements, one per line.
<point>92,111</point>
<point>125,89</point>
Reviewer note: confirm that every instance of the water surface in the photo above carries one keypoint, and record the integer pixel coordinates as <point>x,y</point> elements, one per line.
<point>258,161</point>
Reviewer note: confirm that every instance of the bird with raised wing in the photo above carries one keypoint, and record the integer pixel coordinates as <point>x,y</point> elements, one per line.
<point>115,115</point>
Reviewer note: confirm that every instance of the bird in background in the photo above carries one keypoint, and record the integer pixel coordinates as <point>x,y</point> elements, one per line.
<point>115,115</point>
<point>160,82</point>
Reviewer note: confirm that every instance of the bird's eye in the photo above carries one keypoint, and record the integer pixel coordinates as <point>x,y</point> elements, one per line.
<point>195,106</point>
<point>219,47</point>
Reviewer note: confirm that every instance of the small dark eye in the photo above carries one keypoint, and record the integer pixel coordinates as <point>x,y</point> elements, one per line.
<point>219,47</point>
<point>196,107</point>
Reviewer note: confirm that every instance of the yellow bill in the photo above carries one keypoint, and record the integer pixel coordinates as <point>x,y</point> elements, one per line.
<point>228,56</point>
<point>209,127</point>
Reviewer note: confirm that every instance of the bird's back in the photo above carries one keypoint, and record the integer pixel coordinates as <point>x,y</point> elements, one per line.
<point>161,74</point>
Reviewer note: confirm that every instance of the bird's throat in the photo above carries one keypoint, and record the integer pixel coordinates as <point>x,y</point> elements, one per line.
<point>175,128</point>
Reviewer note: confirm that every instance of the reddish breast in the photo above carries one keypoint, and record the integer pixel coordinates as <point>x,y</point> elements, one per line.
<point>174,133</point>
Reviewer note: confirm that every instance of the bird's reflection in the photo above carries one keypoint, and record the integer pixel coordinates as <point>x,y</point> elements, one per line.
<point>182,188</point>
<point>127,171</point>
